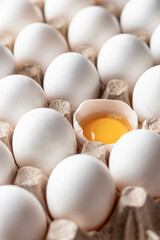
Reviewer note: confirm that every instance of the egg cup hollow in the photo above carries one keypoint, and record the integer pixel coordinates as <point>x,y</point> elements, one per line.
<point>97,106</point>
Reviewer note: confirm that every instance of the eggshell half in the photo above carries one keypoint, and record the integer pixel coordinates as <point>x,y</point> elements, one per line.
<point>123,57</point>
<point>42,138</point>
<point>92,26</point>
<point>134,161</point>
<point>141,15</point>
<point>91,107</point>
<point>64,8</point>
<point>39,43</point>
<point>81,189</point>
<point>73,78</point>
<point>16,14</point>
<point>18,95</point>
<point>7,62</point>
<point>7,165</point>
<point>146,94</point>
<point>21,215</point>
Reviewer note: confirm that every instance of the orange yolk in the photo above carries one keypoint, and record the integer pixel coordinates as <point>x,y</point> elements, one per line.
<point>106,129</point>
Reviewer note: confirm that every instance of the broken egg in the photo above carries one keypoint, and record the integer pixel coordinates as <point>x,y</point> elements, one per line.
<point>103,120</point>
<point>81,189</point>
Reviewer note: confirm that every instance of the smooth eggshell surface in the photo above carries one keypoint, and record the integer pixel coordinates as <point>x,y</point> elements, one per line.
<point>155,45</point>
<point>16,14</point>
<point>146,94</point>
<point>140,15</point>
<point>64,8</point>
<point>18,95</point>
<point>39,43</point>
<point>21,215</point>
<point>7,165</point>
<point>134,161</point>
<point>78,81</point>
<point>81,189</point>
<point>124,57</point>
<point>92,26</point>
<point>42,138</point>
<point>7,62</point>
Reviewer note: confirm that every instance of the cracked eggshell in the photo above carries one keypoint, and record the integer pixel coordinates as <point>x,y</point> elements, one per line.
<point>16,14</point>
<point>92,107</point>
<point>92,26</point>
<point>87,187</point>
<point>73,78</point>
<point>134,161</point>
<point>155,45</point>
<point>18,95</point>
<point>21,215</point>
<point>42,138</point>
<point>124,57</point>
<point>64,8</point>
<point>140,15</point>
<point>39,43</point>
<point>7,62</point>
<point>146,94</point>
<point>7,165</point>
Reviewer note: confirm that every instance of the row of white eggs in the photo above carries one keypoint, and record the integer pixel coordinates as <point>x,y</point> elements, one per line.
<point>80,187</point>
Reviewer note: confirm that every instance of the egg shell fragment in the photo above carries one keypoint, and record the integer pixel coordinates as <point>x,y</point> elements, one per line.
<point>21,215</point>
<point>39,43</point>
<point>78,81</point>
<point>81,189</point>
<point>7,62</point>
<point>123,57</point>
<point>18,95</point>
<point>146,97</point>
<point>92,107</point>
<point>64,8</point>
<point>140,15</point>
<point>7,165</point>
<point>134,161</point>
<point>16,14</point>
<point>92,26</point>
<point>42,138</point>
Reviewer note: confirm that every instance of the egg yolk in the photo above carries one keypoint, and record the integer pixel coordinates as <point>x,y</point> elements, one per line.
<point>106,129</point>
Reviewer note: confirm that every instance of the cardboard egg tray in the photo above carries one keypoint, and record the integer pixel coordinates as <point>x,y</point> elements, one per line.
<point>135,215</point>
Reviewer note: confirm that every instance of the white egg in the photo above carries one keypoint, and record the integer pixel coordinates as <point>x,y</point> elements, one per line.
<point>7,165</point>
<point>42,138</point>
<point>155,45</point>
<point>124,57</point>
<point>39,43</point>
<point>146,94</point>
<point>7,62</point>
<point>18,95</point>
<point>71,77</point>
<point>135,161</point>
<point>21,215</point>
<point>140,15</point>
<point>16,14</point>
<point>64,8</point>
<point>81,189</point>
<point>92,26</point>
